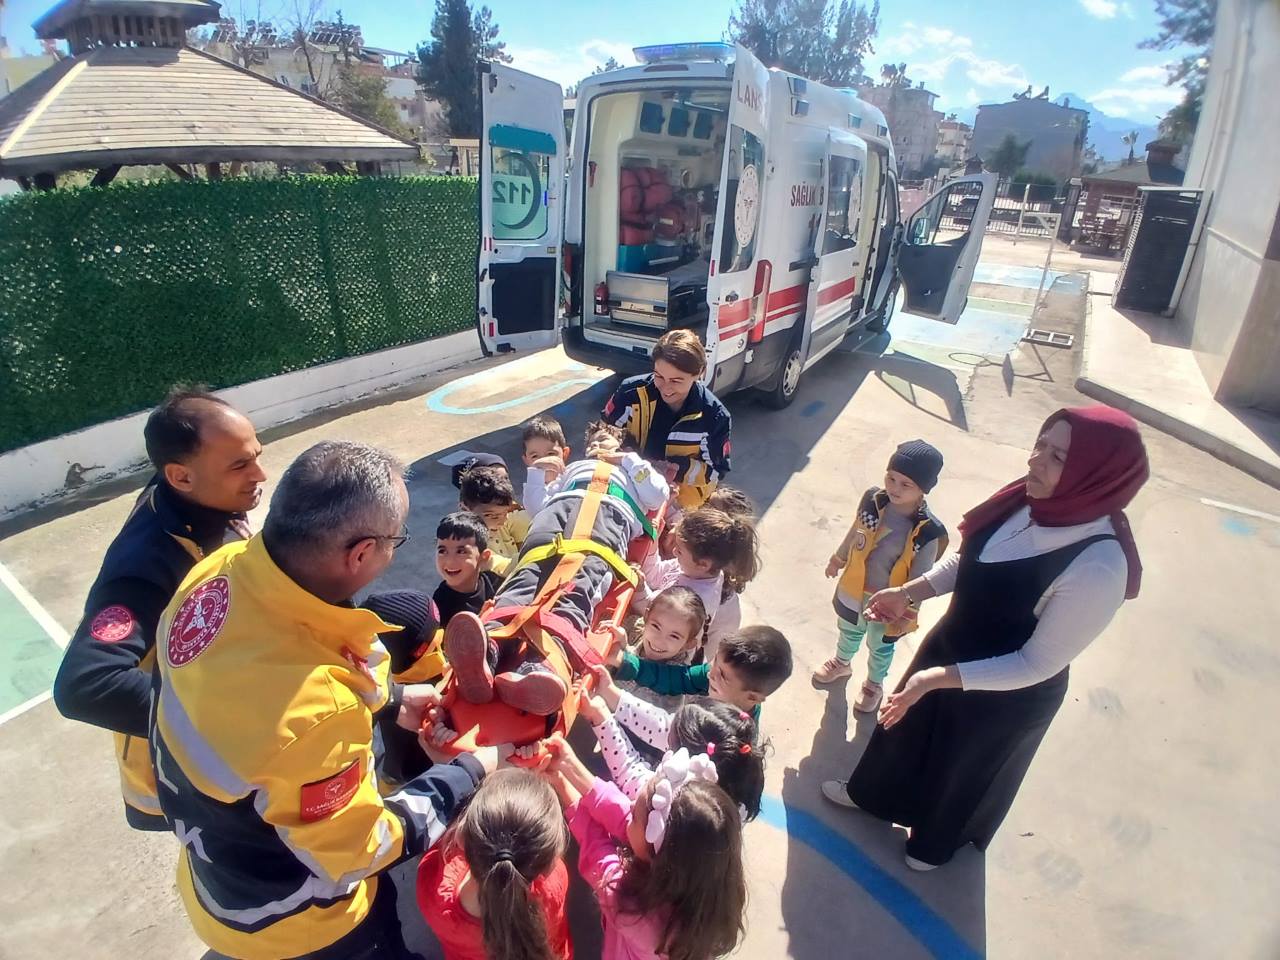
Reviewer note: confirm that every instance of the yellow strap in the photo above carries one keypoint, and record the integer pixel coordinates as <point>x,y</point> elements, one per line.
<point>560,547</point>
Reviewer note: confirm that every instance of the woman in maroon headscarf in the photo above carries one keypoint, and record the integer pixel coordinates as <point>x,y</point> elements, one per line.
<point>1043,567</point>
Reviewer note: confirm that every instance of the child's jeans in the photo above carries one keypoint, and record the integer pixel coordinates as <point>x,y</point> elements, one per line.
<point>879,653</point>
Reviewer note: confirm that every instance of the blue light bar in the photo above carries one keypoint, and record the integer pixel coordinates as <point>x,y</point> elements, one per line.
<point>669,52</point>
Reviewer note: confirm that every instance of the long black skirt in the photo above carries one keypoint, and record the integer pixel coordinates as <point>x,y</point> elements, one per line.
<point>951,767</point>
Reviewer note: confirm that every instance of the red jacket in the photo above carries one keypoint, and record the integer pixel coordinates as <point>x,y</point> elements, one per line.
<point>440,875</point>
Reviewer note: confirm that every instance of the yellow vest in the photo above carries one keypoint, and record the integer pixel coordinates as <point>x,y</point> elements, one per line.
<point>867,533</point>
<point>264,756</point>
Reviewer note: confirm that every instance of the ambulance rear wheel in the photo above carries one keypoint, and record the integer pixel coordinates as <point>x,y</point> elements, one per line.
<point>787,383</point>
<point>880,322</point>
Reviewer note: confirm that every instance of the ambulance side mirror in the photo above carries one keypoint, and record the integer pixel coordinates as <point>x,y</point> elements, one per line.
<point>918,232</point>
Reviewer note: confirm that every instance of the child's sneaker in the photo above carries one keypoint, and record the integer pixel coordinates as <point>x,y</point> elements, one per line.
<point>468,649</point>
<point>833,670</point>
<point>869,697</point>
<point>533,687</point>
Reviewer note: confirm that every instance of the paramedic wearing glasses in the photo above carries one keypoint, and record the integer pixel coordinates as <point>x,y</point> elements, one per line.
<point>674,420</point>
<point>270,682</point>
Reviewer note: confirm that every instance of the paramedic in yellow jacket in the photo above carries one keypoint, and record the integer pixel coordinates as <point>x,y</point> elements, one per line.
<point>676,423</point>
<point>269,684</point>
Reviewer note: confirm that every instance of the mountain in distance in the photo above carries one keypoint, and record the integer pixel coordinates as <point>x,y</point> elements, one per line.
<point>1105,132</point>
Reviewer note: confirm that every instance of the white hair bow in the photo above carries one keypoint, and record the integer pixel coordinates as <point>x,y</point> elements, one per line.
<point>674,772</point>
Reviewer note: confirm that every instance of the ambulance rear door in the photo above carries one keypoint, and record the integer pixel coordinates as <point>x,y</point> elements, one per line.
<point>940,247</point>
<point>732,286</point>
<point>522,158</point>
<point>838,269</point>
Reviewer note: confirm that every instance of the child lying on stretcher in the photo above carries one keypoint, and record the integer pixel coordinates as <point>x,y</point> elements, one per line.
<point>486,665</point>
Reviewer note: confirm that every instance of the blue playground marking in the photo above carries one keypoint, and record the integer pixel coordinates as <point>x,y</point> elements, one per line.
<point>436,398</point>
<point>1239,526</point>
<point>1010,275</point>
<point>933,932</point>
<point>811,408</point>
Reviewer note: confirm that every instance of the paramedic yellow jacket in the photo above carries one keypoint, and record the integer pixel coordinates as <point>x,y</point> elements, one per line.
<point>262,742</point>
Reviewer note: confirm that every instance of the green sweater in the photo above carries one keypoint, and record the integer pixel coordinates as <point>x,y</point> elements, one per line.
<point>670,679</point>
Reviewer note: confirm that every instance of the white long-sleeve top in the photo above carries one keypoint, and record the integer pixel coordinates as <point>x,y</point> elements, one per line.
<point>642,483</point>
<point>661,573</point>
<point>1071,613</point>
<point>650,723</point>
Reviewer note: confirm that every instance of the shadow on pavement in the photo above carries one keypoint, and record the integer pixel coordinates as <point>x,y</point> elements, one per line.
<point>889,910</point>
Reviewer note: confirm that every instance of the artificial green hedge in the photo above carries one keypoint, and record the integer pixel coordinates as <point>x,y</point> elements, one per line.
<point>108,296</point>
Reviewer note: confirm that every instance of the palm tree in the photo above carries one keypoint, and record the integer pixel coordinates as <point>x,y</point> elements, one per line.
<point>1129,139</point>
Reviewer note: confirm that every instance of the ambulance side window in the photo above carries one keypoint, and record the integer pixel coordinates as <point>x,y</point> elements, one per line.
<point>518,190</point>
<point>742,200</point>
<point>844,203</point>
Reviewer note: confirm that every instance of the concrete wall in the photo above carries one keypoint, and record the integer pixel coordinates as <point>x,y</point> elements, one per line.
<point>1057,134</point>
<point>1231,303</point>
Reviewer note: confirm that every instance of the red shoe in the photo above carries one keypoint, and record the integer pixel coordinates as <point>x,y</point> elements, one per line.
<point>534,689</point>
<point>466,647</point>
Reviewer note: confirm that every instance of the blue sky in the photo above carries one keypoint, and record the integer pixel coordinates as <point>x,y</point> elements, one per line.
<point>966,52</point>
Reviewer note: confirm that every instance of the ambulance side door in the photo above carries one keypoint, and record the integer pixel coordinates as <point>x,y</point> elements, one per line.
<point>731,285</point>
<point>839,264</point>
<point>522,157</point>
<point>940,247</point>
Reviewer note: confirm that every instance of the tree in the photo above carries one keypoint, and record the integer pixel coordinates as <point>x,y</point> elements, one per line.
<point>460,38</point>
<point>894,75</point>
<point>365,95</point>
<point>1185,23</point>
<point>1129,140</point>
<point>824,40</point>
<point>609,64</point>
<point>1008,158</point>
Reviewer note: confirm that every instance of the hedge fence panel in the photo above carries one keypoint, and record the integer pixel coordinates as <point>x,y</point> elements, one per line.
<point>109,296</point>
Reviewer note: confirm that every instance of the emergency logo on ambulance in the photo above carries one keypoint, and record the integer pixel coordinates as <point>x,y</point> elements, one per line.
<point>198,621</point>
<point>744,206</point>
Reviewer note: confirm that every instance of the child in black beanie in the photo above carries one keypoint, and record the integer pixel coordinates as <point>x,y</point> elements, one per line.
<point>894,538</point>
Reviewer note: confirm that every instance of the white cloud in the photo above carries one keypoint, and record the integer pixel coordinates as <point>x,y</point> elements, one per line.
<point>1144,73</point>
<point>1139,102</point>
<point>569,65</point>
<point>1127,10</point>
<point>1102,9</point>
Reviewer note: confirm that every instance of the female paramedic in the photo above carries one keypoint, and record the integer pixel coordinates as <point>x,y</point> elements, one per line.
<point>674,420</point>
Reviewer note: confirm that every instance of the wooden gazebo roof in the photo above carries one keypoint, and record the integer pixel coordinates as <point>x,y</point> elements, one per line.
<point>133,94</point>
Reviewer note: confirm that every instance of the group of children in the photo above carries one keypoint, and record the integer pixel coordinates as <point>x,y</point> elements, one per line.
<point>660,838</point>
<point>675,711</point>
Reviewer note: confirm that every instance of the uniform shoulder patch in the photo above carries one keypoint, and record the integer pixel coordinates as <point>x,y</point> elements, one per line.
<point>113,624</point>
<point>198,621</point>
<point>325,797</point>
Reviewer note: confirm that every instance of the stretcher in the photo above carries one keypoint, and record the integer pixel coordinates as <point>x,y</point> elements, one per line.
<point>489,724</point>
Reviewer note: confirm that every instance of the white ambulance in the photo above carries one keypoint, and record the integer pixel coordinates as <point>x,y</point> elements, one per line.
<point>703,190</point>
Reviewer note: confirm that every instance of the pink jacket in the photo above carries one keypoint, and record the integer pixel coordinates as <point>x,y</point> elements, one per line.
<point>599,823</point>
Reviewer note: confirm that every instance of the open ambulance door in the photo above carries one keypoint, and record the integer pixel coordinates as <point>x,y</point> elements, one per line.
<point>839,261</point>
<point>522,157</point>
<point>940,247</point>
<point>738,282</point>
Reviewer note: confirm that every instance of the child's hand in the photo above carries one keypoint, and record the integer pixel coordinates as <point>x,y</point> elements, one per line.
<point>593,708</point>
<point>435,736</point>
<point>834,566</point>
<point>616,644</point>
<point>552,466</point>
<point>605,688</point>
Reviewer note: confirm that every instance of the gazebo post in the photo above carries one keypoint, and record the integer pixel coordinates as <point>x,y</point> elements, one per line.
<point>45,181</point>
<point>105,175</point>
<point>213,171</point>
<point>182,172</point>
<point>235,169</point>
<point>336,168</point>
